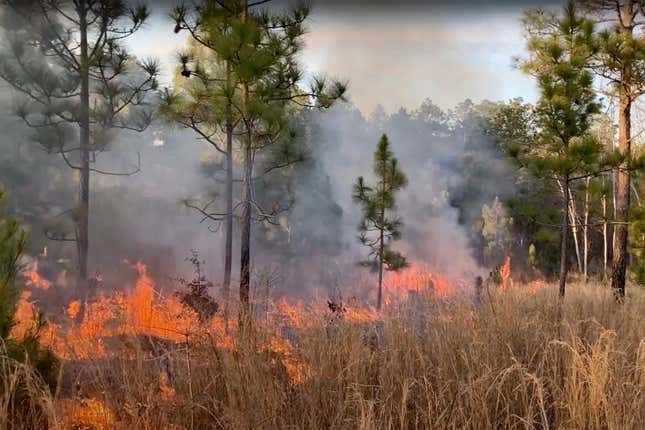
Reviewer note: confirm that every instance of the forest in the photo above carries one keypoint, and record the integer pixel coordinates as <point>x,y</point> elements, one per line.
<point>203,231</point>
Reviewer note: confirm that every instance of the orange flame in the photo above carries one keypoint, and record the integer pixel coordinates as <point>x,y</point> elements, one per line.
<point>34,280</point>
<point>24,315</point>
<point>90,413</point>
<point>416,278</point>
<point>505,273</point>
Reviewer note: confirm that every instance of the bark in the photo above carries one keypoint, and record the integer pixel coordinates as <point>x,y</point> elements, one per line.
<point>585,231</point>
<point>381,245</point>
<point>564,239</point>
<point>605,233</point>
<point>619,266</point>
<point>245,242</point>
<point>228,250</point>
<point>380,273</point>
<point>573,214</point>
<point>82,221</point>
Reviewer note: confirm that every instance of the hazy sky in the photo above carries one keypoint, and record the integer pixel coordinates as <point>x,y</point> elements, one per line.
<point>398,56</point>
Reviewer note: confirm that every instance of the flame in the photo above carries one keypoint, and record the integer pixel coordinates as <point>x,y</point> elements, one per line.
<point>505,274</point>
<point>166,390</point>
<point>73,308</point>
<point>416,278</point>
<point>34,280</point>
<point>144,310</point>
<point>89,413</point>
<point>24,315</point>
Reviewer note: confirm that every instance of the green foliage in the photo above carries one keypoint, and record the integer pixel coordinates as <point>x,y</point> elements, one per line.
<point>560,51</point>
<point>379,227</point>
<point>243,67</point>
<point>27,348</point>
<point>12,242</point>
<point>37,59</point>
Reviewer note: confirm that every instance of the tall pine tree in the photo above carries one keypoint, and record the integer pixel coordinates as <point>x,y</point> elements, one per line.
<point>560,49</point>
<point>204,104</point>
<point>259,48</point>
<point>620,60</point>
<point>380,226</point>
<point>79,83</point>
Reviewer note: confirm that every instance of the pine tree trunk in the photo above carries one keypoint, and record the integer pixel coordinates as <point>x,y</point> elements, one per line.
<point>380,273</point>
<point>564,239</point>
<point>571,213</point>
<point>585,231</point>
<point>619,266</point>
<point>245,242</point>
<point>605,233</point>
<point>574,229</point>
<point>84,188</point>
<point>228,247</point>
<point>619,263</point>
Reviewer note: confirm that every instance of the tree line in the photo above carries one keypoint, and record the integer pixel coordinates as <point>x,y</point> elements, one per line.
<point>239,87</point>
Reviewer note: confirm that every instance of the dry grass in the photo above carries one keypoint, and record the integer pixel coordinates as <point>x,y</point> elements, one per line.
<point>25,400</point>
<point>519,361</point>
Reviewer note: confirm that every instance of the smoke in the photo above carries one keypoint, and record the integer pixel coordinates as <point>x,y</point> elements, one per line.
<point>453,168</point>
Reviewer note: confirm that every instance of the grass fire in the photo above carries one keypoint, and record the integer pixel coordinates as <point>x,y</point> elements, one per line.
<point>232,214</point>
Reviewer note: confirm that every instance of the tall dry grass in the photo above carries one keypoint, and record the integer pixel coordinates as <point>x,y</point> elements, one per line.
<point>25,399</point>
<point>521,360</point>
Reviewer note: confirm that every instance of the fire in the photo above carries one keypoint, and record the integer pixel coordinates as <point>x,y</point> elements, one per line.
<point>90,413</point>
<point>293,314</point>
<point>24,316</point>
<point>34,280</point>
<point>74,308</point>
<point>100,328</point>
<point>505,274</point>
<point>359,314</point>
<point>416,279</point>
<point>166,390</point>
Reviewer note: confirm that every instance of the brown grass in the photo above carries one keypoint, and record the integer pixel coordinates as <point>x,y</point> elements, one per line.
<point>520,361</point>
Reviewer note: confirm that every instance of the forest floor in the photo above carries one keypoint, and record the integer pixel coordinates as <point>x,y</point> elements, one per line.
<point>520,359</point>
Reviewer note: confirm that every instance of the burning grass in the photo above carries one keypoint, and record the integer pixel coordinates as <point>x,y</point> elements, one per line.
<point>433,360</point>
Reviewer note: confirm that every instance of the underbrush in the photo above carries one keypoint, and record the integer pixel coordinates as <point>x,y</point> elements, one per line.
<point>519,360</point>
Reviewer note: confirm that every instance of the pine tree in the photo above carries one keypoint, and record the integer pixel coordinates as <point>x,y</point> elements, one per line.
<point>202,100</point>
<point>620,60</point>
<point>79,83</point>
<point>260,49</point>
<point>560,50</point>
<point>380,226</point>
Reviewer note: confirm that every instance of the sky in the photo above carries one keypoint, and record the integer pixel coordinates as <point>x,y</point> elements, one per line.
<point>396,56</point>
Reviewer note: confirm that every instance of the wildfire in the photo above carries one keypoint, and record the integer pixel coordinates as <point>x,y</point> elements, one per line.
<point>34,280</point>
<point>417,278</point>
<point>505,274</point>
<point>24,315</point>
<point>90,413</point>
<point>101,328</point>
<point>166,390</point>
